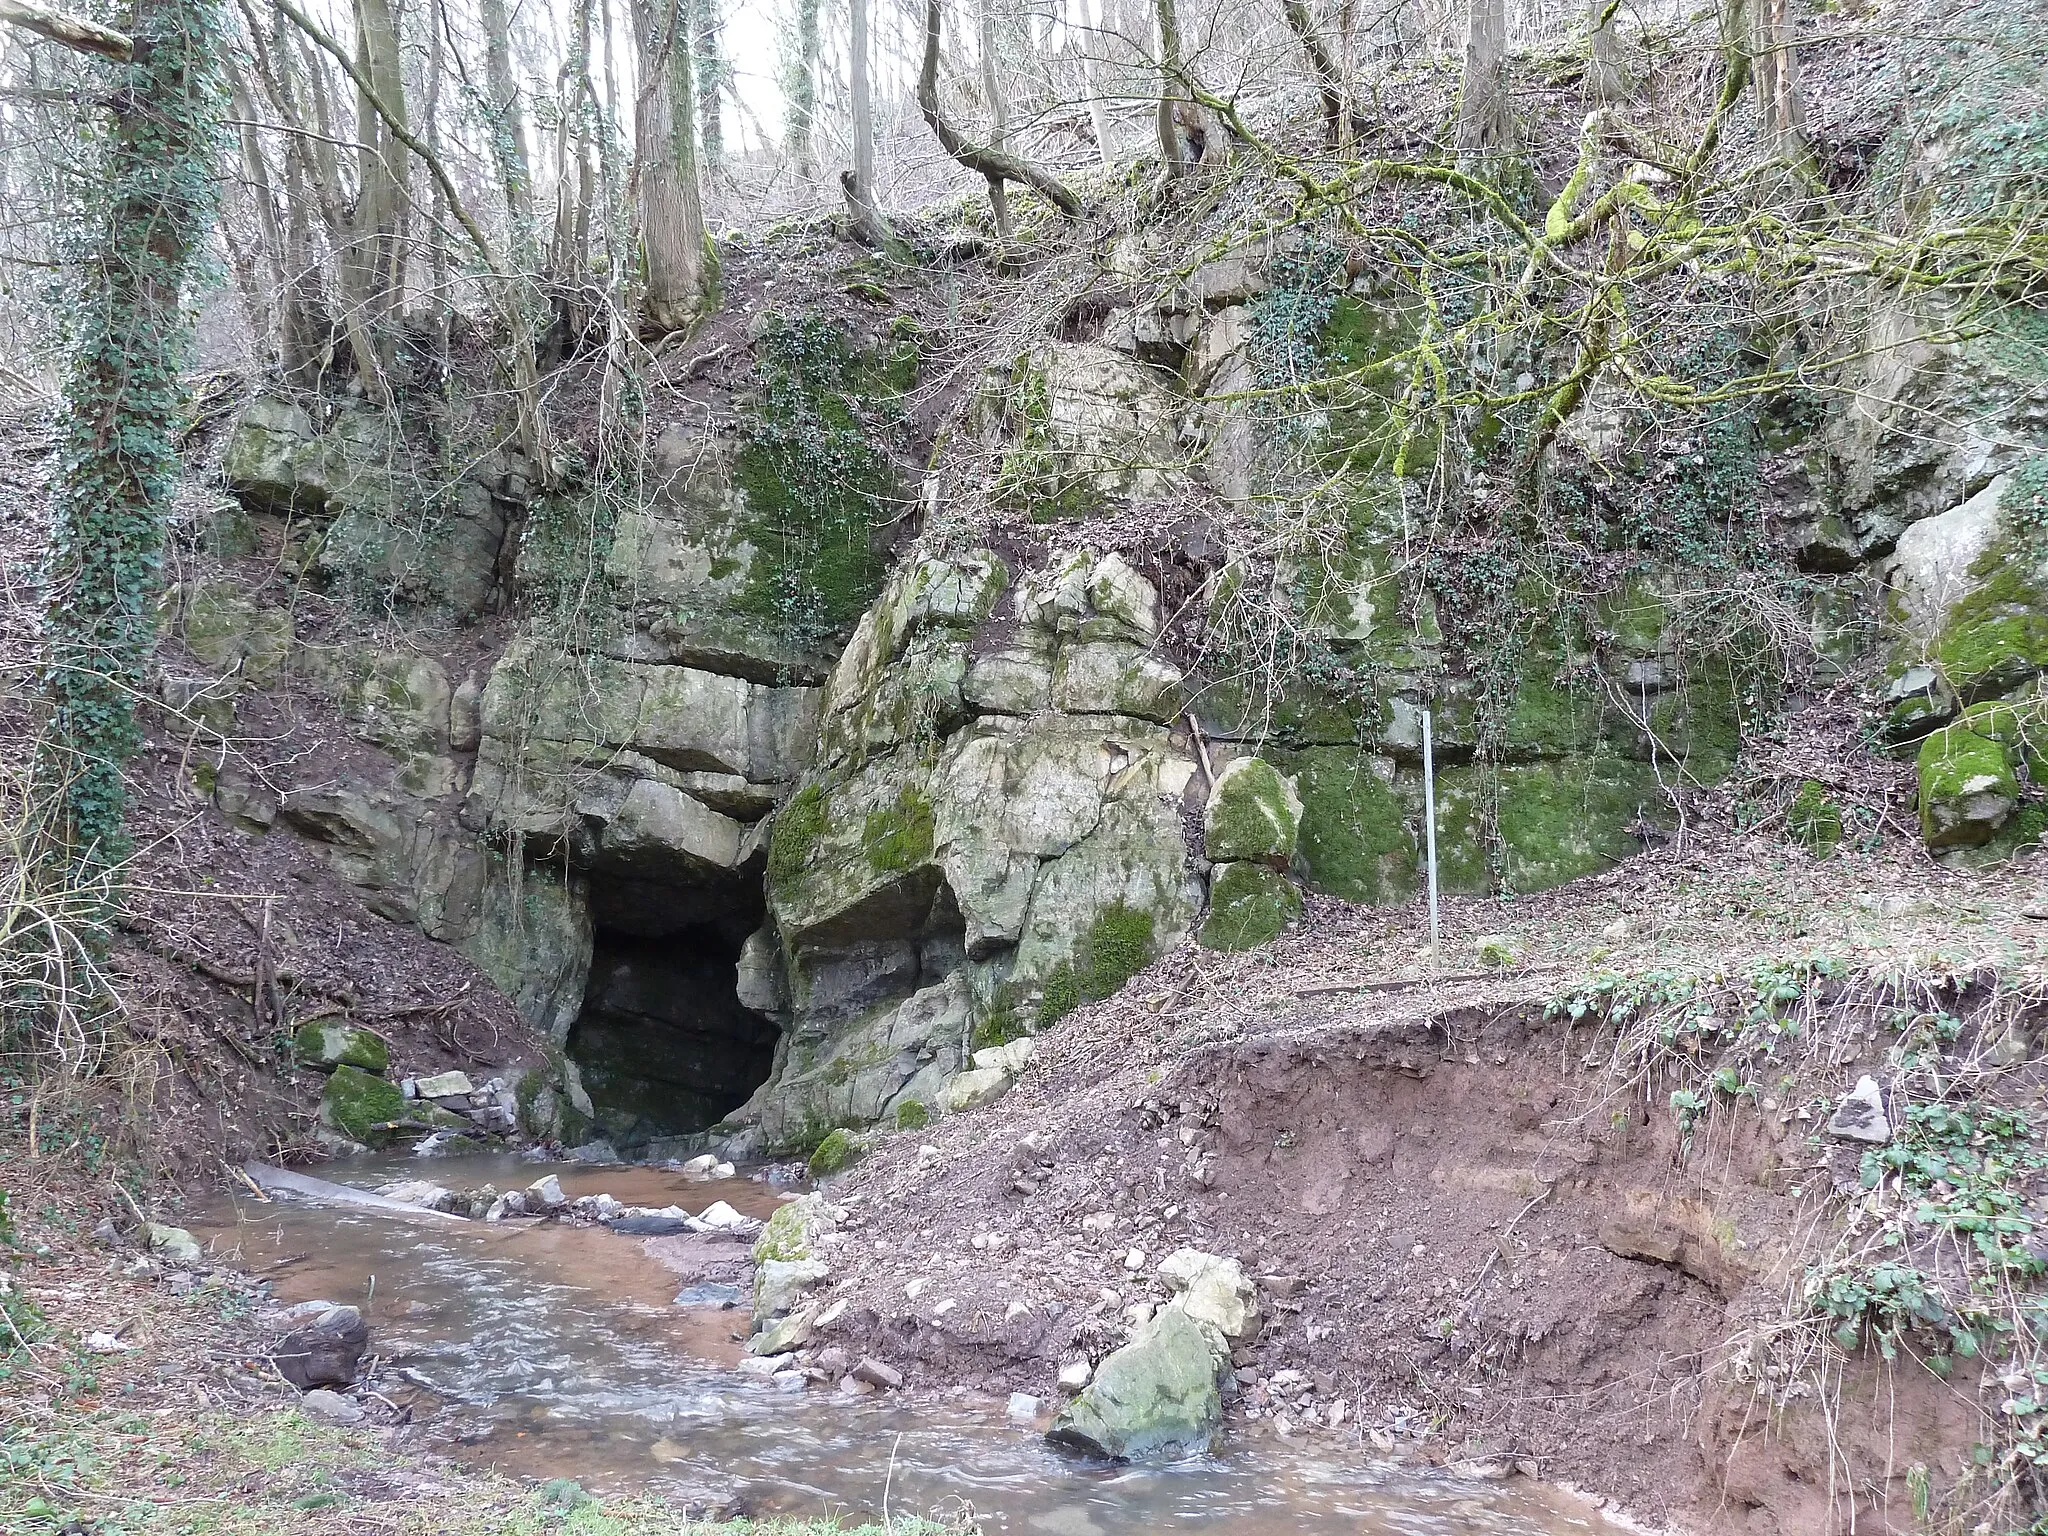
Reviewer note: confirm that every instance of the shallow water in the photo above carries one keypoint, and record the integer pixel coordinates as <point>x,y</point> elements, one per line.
<point>563,1355</point>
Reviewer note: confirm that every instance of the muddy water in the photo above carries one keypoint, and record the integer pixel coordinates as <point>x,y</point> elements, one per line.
<point>560,1353</point>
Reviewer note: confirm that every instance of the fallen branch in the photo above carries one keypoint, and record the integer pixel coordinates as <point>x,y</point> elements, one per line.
<point>72,31</point>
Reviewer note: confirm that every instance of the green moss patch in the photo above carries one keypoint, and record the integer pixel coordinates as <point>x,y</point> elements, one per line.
<point>787,1237</point>
<point>1254,813</point>
<point>799,827</point>
<point>1355,836</point>
<point>359,1105</point>
<point>818,484</point>
<point>837,1151</point>
<point>1814,820</point>
<point>1249,905</point>
<point>1996,637</point>
<point>899,837</point>
<point>331,1045</point>
<point>1117,945</point>
<point>912,1115</point>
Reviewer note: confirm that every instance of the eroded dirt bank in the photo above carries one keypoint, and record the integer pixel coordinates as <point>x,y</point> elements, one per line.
<point>1482,1235</point>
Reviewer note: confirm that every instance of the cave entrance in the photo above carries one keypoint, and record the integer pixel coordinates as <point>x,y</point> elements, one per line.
<point>663,1045</point>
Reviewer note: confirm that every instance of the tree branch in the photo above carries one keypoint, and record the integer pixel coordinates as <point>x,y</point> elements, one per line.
<point>995,164</point>
<point>72,31</point>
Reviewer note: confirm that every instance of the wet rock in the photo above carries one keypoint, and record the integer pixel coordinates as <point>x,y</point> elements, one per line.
<point>1157,1397</point>
<point>595,1152</point>
<point>1860,1116</point>
<point>877,1373</point>
<point>1216,1292</point>
<point>786,1334</point>
<point>790,1381</point>
<point>173,1243</point>
<point>317,1344</point>
<point>700,1167</point>
<point>649,1225</point>
<point>780,1283</point>
<point>421,1192</point>
<point>1022,1408</point>
<point>332,1406</point>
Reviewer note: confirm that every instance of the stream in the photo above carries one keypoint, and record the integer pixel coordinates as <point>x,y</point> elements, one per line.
<point>560,1352</point>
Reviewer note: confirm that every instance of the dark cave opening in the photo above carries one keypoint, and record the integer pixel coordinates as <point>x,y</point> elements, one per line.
<point>663,1045</point>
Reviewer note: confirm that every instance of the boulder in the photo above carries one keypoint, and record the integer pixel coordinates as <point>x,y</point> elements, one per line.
<point>173,1243</point>
<point>1249,905</point>
<point>1155,1398</point>
<point>779,1283</point>
<point>328,1046</point>
<point>362,1106</point>
<point>1215,1292</point>
<point>785,1334</point>
<point>443,1085</point>
<point>1968,789</point>
<point>974,1089</point>
<point>1254,814</point>
<point>317,1344</point>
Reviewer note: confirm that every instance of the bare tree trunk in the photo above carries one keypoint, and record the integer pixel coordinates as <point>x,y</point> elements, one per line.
<point>711,76</point>
<point>999,129</point>
<point>1606,80</point>
<point>375,266</point>
<point>508,133</point>
<point>1777,82</point>
<point>869,227</point>
<point>991,163</point>
<point>1091,74</point>
<point>801,92</point>
<point>1485,116</point>
<point>1329,84</point>
<point>1172,150</point>
<point>671,204</point>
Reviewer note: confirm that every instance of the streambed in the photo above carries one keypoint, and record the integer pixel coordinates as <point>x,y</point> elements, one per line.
<point>559,1352</point>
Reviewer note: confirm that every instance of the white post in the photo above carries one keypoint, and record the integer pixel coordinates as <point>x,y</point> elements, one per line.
<point>1429,818</point>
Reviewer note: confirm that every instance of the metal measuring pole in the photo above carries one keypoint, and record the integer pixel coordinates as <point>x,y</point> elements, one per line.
<point>1429,817</point>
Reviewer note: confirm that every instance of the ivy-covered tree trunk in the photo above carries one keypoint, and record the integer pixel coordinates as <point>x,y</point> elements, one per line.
<point>123,401</point>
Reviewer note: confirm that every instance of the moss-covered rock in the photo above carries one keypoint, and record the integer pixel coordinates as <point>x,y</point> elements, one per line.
<point>1117,945</point>
<point>340,1045</point>
<point>2018,725</point>
<point>1249,905</point>
<point>1996,638</point>
<point>1155,1397</point>
<point>838,1151</point>
<point>898,837</point>
<point>1254,814</point>
<point>913,1115</point>
<point>1356,839</point>
<point>360,1105</point>
<point>1814,820</point>
<point>1967,788</point>
<point>222,626</point>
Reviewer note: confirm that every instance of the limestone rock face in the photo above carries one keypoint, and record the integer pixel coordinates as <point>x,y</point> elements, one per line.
<point>394,522</point>
<point>1154,1399</point>
<point>975,813</point>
